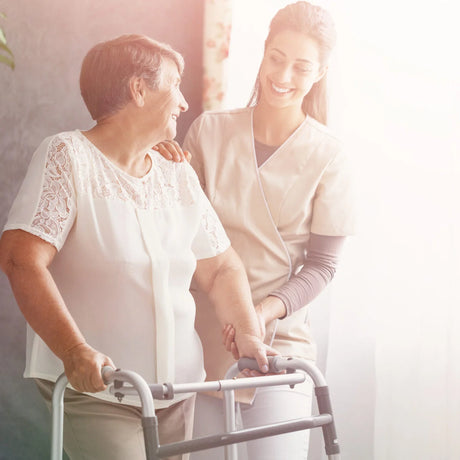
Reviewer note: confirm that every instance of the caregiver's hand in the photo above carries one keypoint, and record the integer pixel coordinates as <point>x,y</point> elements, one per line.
<point>171,150</point>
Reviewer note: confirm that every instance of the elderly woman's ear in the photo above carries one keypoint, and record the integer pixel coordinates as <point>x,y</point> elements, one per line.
<point>137,88</point>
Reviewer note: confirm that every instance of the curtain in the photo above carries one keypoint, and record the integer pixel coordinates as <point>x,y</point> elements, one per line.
<point>393,328</point>
<point>396,97</point>
<point>216,41</point>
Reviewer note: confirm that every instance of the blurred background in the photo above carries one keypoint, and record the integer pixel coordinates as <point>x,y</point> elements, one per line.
<point>388,327</point>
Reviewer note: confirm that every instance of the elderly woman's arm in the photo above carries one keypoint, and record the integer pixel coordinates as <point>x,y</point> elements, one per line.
<point>224,279</point>
<point>25,259</point>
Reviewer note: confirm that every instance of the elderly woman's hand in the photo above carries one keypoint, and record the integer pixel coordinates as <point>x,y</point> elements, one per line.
<point>249,346</point>
<point>83,365</point>
<point>171,150</point>
<point>268,310</point>
<point>228,332</point>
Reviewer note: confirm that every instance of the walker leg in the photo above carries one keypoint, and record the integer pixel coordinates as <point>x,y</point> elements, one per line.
<point>231,450</point>
<point>57,418</point>
<point>331,443</point>
<point>151,439</point>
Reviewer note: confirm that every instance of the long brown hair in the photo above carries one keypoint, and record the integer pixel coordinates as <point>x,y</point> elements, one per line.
<point>317,23</point>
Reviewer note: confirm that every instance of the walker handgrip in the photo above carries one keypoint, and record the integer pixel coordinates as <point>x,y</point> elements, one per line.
<point>250,363</point>
<point>107,374</point>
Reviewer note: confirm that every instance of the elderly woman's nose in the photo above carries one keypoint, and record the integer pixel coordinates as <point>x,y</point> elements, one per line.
<point>183,103</point>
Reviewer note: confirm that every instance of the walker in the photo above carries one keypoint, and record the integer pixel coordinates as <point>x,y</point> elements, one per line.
<point>147,393</point>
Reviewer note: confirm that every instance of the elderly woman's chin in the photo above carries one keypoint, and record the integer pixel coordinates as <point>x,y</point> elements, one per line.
<point>171,130</point>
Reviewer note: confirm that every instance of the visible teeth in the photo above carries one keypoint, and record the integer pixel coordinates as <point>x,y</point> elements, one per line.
<point>280,90</point>
<point>174,117</point>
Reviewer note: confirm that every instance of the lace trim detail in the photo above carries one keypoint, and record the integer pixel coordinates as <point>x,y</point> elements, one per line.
<point>218,239</point>
<point>170,187</point>
<point>167,185</point>
<point>55,206</point>
<point>164,187</point>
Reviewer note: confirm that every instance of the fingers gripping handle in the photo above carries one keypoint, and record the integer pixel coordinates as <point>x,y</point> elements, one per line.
<point>249,363</point>
<point>107,374</point>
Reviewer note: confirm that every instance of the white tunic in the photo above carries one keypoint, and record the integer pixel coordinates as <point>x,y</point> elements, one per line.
<point>127,250</point>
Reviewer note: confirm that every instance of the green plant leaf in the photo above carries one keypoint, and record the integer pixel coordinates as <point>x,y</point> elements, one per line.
<point>2,34</point>
<point>8,61</point>
<point>5,48</point>
<point>2,37</point>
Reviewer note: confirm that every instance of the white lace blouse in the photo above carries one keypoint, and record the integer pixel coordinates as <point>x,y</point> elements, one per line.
<point>127,249</point>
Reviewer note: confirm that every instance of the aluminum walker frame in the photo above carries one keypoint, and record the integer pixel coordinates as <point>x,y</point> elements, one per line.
<point>147,393</point>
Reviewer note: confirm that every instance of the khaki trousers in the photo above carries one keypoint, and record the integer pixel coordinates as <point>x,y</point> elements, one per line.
<point>95,429</point>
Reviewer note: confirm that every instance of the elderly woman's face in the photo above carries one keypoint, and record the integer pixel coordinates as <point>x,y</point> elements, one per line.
<point>167,102</point>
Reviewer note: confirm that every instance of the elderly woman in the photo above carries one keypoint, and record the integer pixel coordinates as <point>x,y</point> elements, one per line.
<point>100,247</point>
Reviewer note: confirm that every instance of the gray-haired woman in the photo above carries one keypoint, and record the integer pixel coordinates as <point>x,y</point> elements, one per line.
<point>100,247</point>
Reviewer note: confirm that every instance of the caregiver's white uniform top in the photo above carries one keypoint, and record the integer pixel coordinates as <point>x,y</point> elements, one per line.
<point>268,213</point>
<point>127,250</point>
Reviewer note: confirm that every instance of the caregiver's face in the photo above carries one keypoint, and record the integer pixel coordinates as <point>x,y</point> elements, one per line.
<point>289,69</point>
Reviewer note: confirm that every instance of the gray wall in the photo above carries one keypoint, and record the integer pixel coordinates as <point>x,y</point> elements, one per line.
<point>41,97</point>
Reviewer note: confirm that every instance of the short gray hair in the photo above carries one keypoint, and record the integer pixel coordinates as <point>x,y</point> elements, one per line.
<point>109,66</point>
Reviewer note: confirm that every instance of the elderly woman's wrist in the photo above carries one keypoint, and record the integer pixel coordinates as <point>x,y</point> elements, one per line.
<point>76,347</point>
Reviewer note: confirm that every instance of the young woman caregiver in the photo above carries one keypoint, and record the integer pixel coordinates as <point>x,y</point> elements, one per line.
<point>279,182</point>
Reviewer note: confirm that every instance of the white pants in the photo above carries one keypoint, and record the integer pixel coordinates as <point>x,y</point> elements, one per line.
<point>271,405</point>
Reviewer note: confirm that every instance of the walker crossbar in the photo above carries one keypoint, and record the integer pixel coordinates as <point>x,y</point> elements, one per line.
<point>223,439</point>
<point>167,391</point>
<point>154,451</point>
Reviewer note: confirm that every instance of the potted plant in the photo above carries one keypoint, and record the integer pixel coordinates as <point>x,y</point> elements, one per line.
<point>6,55</point>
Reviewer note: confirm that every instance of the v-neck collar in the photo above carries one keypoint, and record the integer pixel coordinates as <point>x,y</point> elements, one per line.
<point>278,148</point>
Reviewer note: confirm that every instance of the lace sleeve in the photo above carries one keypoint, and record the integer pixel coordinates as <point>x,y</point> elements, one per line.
<point>215,233</point>
<point>211,238</point>
<point>45,205</point>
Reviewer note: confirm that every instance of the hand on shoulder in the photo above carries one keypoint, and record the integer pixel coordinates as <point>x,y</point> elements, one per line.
<point>171,150</point>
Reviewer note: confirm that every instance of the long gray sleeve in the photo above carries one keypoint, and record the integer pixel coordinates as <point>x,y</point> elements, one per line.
<point>318,270</point>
